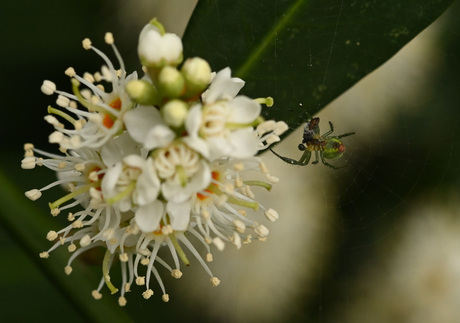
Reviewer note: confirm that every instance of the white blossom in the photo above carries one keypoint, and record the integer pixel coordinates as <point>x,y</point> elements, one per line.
<point>154,161</point>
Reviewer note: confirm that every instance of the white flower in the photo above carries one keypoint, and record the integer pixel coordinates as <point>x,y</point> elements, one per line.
<point>157,48</point>
<point>151,167</point>
<point>223,125</point>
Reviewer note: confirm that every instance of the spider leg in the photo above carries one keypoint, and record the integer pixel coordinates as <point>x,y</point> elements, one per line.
<point>331,130</point>
<point>346,135</point>
<point>330,165</point>
<point>317,158</point>
<point>303,161</point>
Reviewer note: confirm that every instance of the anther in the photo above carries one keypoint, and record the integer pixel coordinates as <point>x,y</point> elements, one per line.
<point>218,243</point>
<point>272,215</point>
<point>147,294</point>
<point>44,254</point>
<point>70,71</point>
<point>48,87</point>
<point>96,294</point>
<point>50,236</point>
<point>122,301</point>
<point>140,281</point>
<point>68,270</point>
<point>209,257</point>
<point>88,77</point>
<point>33,195</point>
<point>108,38</point>
<point>176,273</point>
<point>261,231</point>
<point>28,163</point>
<point>72,247</point>
<point>86,43</point>
<point>124,257</point>
<point>85,241</point>
<point>215,281</point>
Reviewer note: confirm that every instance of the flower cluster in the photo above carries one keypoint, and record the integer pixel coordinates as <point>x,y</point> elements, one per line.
<point>155,162</point>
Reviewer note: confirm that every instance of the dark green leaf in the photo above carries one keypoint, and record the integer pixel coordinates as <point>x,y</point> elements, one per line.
<point>304,53</point>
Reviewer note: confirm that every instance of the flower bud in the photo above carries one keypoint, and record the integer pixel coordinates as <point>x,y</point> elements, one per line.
<point>142,92</point>
<point>171,82</point>
<point>175,112</point>
<point>157,48</point>
<point>197,74</point>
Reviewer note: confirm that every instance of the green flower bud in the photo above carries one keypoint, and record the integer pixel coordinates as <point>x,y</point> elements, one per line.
<point>142,92</point>
<point>174,113</point>
<point>197,74</point>
<point>171,82</point>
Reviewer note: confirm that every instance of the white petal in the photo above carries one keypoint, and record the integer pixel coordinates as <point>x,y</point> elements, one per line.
<point>223,87</point>
<point>244,143</point>
<point>159,136</point>
<point>244,110</point>
<point>134,161</point>
<point>109,181</point>
<point>147,186</point>
<point>219,147</point>
<point>140,121</point>
<point>194,120</point>
<point>179,214</point>
<point>148,216</point>
<point>116,149</point>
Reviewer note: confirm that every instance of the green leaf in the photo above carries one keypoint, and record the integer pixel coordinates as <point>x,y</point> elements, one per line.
<point>304,53</point>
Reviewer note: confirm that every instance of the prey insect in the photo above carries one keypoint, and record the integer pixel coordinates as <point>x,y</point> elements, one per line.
<point>324,146</point>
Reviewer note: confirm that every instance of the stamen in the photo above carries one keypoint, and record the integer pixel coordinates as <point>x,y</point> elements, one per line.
<point>73,194</point>
<point>265,185</point>
<point>179,250</point>
<point>105,271</point>
<point>268,101</point>
<point>62,114</point>
<point>48,87</point>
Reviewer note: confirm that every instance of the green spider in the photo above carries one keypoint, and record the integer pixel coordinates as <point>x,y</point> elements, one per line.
<point>324,146</point>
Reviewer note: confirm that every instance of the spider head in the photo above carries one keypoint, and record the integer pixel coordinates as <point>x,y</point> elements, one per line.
<point>333,149</point>
<point>301,147</point>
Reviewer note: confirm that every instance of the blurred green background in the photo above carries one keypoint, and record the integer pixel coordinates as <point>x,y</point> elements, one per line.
<point>403,160</point>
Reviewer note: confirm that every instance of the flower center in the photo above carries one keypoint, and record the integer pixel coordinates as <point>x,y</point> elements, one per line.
<point>177,163</point>
<point>214,120</point>
<point>109,120</point>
